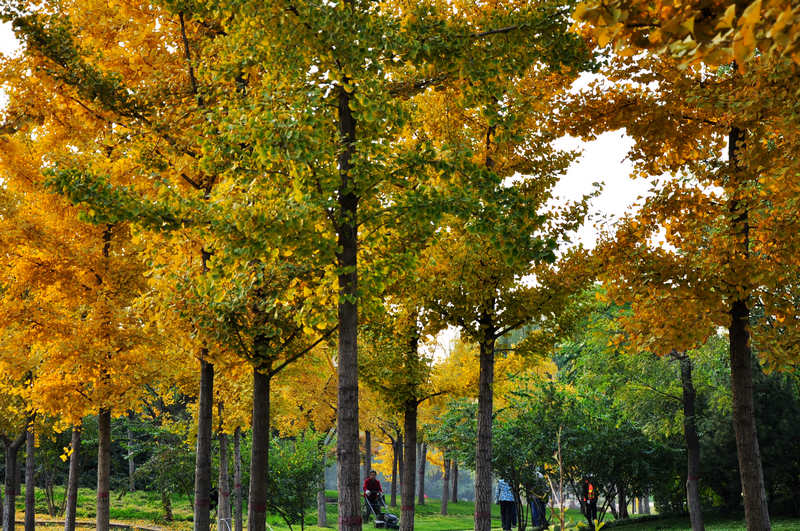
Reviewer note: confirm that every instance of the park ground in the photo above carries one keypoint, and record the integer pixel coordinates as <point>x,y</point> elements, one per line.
<point>144,508</point>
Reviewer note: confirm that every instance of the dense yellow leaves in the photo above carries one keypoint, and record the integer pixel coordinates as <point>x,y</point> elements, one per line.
<point>713,33</point>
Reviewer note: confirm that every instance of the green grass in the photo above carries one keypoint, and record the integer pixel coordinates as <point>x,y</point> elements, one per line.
<point>139,506</point>
<point>712,523</point>
<point>144,508</point>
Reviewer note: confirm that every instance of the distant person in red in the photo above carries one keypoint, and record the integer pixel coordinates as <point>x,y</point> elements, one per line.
<point>372,491</point>
<point>589,501</point>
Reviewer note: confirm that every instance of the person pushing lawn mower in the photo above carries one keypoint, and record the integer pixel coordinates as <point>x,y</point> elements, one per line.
<point>374,504</point>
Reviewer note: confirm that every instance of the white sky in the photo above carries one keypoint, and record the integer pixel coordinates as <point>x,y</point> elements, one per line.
<point>602,160</point>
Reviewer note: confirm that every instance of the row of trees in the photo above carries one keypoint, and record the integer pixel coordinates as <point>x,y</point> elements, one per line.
<point>636,424</point>
<point>242,184</point>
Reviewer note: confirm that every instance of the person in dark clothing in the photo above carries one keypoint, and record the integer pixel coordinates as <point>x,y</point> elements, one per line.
<point>372,491</point>
<point>589,500</point>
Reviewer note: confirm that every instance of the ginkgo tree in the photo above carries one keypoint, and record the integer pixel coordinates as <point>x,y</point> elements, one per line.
<point>69,285</point>
<point>716,144</point>
<point>474,271</point>
<point>61,79</point>
<point>326,113</point>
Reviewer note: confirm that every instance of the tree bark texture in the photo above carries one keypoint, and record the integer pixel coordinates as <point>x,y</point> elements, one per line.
<point>623,501</point>
<point>259,456</point>
<point>72,482</point>
<point>30,481</point>
<point>401,466</point>
<point>166,504</point>
<point>422,460</point>
<point>103,469</point>
<point>692,445</point>
<point>9,502</point>
<point>131,463</point>
<point>322,501</point>
<point>454,490</point>
<point>407,487</point>
<point>395,455</point>
<point>744,425</point>
<point>347,443</point>
<point>237,479</point>
<point>750,471</point>
<point>367,453</point>
<point>202,471</point>
<point>483,448</point>
<point>445,486</point>
<point>223,483</point>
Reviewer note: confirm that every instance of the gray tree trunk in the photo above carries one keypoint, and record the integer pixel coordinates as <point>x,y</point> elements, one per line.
<point>483,448</point>
<point>202,472</point>
<point>367,453</point>
<point>131,463</point>
<point>347,261</point>
<point>623,502</point>
<point>9,503</point>
<point>401,467</point>
<point>259,456</point>
<point>237,479</point>
<point>454,490</point>
<point>422,461</point>
<point>756,512</point>
<point>103,469</point>
<point>395,455</point>
<point>30,482</point>
<point>322,502</point>
<point>72,482</point>
<point>445,486</point>
<point>692,445</point>
<point>407,507</point>
<point>223,481</point>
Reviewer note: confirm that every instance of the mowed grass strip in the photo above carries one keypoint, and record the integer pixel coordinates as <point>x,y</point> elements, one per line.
<point>144,508</point>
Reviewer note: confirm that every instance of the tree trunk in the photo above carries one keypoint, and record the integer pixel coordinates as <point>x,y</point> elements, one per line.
<point>445,486</point>
<point>623,502</point>
<point>72,482</point>
<point>131,463</point>
<point>223,482</point>
<point>483,448</point>
<point>259,456</point>
<point>751,473</point>
<point>322,501</point>
<point>692,445</point>
<point>367,453</point>
<point>395,455</point>
<point>30,482</point>
<point>166,505</point>
<point>103,469</point>
<point>401,464</point>
<point>237,479</point>
<point>9,503</point>
<point>202,471</point>
<point>422,461</point>
<point>454,490</point>
<point>409,465</point>
<point>347,261</point>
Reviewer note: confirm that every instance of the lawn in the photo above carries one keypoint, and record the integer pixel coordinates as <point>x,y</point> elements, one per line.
<point>144,508</point>
<point>712,523</point>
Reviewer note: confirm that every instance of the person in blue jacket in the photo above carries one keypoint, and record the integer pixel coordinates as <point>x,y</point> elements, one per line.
<point>508,506</point>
